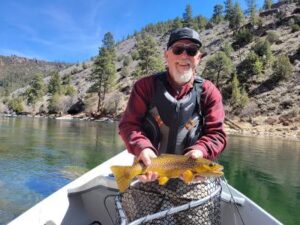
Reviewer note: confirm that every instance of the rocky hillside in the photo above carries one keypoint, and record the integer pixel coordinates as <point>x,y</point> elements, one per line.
<point>16,71</point>
<point>272,105</point>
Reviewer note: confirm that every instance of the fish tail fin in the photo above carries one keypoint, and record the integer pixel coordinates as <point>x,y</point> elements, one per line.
<point>124,175</point>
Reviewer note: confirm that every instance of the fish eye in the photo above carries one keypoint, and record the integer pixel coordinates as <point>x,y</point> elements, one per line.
<point>211,164</point>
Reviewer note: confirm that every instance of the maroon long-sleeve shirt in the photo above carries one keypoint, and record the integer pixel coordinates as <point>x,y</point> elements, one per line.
<point>211,143</point>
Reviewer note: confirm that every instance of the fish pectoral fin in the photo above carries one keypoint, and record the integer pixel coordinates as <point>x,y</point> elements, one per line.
<point>163,180</point>
<point>187,176</point>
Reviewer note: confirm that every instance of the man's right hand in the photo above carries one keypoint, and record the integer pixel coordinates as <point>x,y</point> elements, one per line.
<point>145,156</point>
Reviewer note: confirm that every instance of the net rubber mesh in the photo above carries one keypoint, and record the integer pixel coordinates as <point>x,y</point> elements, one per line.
<point>141,200</point>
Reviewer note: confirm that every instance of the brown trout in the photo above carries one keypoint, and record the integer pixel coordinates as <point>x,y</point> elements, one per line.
<point>167,166</point>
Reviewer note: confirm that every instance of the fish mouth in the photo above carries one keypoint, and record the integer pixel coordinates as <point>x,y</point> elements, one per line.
<point>219,173</point>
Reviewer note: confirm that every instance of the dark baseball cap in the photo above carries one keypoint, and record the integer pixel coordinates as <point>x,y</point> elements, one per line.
<point>184,33</point>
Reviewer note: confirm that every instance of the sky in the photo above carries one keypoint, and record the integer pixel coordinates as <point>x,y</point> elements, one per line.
<point>72,30</point>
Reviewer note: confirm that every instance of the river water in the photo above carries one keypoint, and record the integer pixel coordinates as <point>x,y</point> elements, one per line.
<point>38,156</point>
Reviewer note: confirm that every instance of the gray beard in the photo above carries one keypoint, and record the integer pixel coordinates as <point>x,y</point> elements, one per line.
<point>182,78</point>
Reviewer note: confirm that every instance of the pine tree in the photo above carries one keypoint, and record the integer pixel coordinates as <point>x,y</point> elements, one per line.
<point>239,96</point>
<point>177,23</point>
<point>54,86</point>
<point>237,17</point>
<point>235,90</point>
<point>252,11</point>
<point>282,68</point>
<point>188,17</point>
<point>16,104</point>
<point>36,91</point>
<point>104,70</point>
<point>217,14</point>
<point>150,61</point>
<point>263,49</point>
<point>267,4</point>
<point>200,22</point>
<point>220,65</point>
<point>227,49</point>
<point>244,99</point>
<point>229,8</point>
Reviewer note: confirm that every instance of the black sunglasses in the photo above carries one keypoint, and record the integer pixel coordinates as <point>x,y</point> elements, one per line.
<point>191,50</point>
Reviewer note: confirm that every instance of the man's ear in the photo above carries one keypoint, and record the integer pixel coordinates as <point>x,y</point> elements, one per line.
<point>166,54</point>
<point>202,55</point>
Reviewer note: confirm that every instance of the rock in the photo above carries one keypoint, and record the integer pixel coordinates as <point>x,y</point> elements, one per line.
<point>294,128</point>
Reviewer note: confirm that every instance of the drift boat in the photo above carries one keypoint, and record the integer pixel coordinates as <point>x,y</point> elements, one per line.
<point>89,200</point>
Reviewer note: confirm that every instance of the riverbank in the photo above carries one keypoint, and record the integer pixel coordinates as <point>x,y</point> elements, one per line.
<point>259,127</point>
<point>255,127</point>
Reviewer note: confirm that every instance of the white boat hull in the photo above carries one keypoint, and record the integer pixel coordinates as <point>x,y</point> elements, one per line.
<point>82,202</point>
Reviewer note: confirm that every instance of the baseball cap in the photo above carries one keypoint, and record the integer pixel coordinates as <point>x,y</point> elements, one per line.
<point>184,33</point>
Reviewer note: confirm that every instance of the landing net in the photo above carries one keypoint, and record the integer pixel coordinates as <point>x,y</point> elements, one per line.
<point>173,203</point>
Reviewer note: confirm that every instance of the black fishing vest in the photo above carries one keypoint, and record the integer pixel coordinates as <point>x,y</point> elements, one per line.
<point>173,125</point>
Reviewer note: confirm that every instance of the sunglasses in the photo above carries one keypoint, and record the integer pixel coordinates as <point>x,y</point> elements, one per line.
<point>191,50</point>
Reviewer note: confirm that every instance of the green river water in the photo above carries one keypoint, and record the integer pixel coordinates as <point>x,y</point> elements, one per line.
<point>38,156</point>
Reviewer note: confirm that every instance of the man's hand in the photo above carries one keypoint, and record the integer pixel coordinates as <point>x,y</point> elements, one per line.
<point>195,154</point>
<point>145,156</point>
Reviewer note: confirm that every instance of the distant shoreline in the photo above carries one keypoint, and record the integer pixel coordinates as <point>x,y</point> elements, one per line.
<point>290,132</point>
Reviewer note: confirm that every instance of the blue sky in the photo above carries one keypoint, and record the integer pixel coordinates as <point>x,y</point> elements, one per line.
<point>72,30</point>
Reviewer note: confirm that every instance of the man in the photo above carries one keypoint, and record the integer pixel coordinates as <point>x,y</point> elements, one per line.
<point>175,111</point>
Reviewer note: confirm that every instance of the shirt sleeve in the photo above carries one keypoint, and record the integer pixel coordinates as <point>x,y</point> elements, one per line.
<point>213,140</point>
<point>130,126</point>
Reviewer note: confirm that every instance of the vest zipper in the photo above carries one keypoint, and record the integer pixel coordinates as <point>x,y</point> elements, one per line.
<point>173,137</point>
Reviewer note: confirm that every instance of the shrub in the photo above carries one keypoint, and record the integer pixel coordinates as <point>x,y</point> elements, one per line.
<point>239,96</point>
<point>127,60</point>
<point>84,66</point>
<point>16,105</point>
<point>53,104</point>
<point>227,49</point>
<point>273,37</point>
<point>244,99</point>
<point>125,72</point>
<point>59,103</point>
<point>263,49</point>
<point>253,64</point>
<point>257,67</point>
<point>135,55</point>
<point>3,108</point>
<point>74,71</point>
<point>295,28</point>
<point>70,90</point>
<point>282,68</point>
<point>243,37</point>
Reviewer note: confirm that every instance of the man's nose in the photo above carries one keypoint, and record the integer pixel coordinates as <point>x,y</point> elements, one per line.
<point>184,54</point>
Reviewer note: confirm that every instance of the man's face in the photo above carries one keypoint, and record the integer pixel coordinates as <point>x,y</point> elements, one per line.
<point>182,66</point>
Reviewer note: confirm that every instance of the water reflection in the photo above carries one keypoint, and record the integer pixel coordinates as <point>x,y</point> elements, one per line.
<point>266,170</point>
<point>38,156</point>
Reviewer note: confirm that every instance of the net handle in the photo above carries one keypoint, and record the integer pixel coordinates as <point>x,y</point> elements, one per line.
<point>166,212</point>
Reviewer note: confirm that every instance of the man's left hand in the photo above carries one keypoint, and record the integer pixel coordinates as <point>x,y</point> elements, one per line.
<point>194,154</point>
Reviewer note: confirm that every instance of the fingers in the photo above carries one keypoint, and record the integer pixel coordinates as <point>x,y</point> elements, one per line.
<point>194,154</point>
<point>148,177</point>
<point>146,155</point>
<point>199,178</point>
